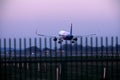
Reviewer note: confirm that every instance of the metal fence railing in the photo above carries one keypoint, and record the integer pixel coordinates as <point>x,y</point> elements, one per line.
<point>95,58</point>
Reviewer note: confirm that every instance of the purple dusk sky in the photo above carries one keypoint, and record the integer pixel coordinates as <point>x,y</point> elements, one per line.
<point>20,18</point>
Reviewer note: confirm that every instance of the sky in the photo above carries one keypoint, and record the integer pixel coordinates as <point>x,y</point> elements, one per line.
<point>21,18</point>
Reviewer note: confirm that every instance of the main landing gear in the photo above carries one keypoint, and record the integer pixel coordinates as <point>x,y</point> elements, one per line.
<point>60,40</point>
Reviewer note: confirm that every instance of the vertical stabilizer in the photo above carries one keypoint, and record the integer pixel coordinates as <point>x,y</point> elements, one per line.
<point>71,29</point>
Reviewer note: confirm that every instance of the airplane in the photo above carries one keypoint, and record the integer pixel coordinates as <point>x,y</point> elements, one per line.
<point>64,35</point>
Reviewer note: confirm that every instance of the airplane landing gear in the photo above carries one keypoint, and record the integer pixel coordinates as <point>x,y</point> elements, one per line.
<point>55,39</point>
<point>60,41</point>
<point>75,39</point>
<point>72,41</point>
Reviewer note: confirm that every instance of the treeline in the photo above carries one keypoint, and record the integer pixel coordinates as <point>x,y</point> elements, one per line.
<point>67,47</point>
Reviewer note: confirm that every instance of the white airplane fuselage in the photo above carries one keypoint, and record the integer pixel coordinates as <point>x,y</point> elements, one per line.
<point>64,35</point>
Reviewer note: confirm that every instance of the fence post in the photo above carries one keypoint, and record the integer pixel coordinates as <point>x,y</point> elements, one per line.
<point>104,73</point>
<point>117,57</point>
<point>96,51</point>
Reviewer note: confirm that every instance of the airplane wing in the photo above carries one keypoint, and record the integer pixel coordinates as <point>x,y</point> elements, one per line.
<point>44,35</point>
<point>85,35</point>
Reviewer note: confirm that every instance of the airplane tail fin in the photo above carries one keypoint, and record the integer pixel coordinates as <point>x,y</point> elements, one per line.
<point>71,29</point>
